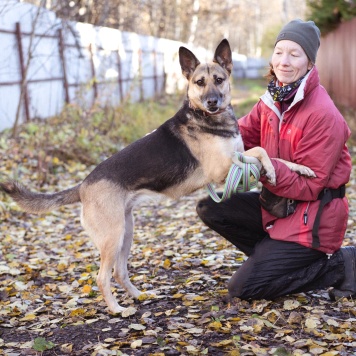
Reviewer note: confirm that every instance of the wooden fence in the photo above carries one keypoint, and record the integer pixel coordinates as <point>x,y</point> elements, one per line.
<point>336,63</point>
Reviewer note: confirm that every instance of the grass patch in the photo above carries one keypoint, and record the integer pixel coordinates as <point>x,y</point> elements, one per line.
<point>91,135</point>
<point>246,93</point>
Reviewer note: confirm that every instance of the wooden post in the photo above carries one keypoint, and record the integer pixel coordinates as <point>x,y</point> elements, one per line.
<point>95,85</point>
<point>119,68</point>
<point>64,69</point>
<point>23,88</point>
<point>140,72</point>
<point>155,72</point>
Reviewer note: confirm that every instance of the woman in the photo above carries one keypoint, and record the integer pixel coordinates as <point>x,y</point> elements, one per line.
<point>297,121</point>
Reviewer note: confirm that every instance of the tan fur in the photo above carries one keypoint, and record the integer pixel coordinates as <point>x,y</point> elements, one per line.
<point>208,72</point>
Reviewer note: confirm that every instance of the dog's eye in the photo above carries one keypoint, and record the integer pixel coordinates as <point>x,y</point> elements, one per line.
<point>219,80</point>
<point>200,82</point>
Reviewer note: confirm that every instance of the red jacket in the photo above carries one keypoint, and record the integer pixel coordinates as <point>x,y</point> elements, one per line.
<point>311,132</point>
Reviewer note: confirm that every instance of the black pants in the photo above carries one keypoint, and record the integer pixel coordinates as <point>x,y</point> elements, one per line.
<point>274,268</point>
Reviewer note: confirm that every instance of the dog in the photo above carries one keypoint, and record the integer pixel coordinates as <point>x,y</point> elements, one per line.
<point>188,151</point>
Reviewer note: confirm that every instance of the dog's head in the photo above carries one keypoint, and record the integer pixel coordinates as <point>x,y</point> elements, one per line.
<point>209,86</point>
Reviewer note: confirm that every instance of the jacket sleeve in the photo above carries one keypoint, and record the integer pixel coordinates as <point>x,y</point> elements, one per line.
<point>321,148</point>
<point>250,127</point>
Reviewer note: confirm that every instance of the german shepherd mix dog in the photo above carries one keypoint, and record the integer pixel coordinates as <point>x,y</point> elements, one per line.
<point>188,151</point>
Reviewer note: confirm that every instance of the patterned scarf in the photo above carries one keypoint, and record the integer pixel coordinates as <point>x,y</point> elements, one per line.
<point>280,93</point>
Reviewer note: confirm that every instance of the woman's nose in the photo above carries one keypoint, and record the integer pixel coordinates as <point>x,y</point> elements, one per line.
<point>285,59</point>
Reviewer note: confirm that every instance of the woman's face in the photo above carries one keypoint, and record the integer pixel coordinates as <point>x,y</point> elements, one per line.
<point>289,61</point>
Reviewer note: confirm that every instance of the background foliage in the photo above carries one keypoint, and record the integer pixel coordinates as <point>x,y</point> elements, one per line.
<point>328,14</point>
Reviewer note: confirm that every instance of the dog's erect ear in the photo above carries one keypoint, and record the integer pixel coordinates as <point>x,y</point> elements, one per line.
<point>223,55</point>
<point>188,62</point>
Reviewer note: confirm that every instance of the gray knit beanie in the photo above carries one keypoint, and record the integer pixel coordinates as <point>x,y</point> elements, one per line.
<point>305,33</point>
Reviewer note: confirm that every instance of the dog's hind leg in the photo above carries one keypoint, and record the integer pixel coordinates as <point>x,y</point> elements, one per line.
<point>108,255</point>
<point>104,221</point>
<point>120,269</point>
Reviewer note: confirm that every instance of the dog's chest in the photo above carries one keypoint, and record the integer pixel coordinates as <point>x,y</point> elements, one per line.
<point>214,154</point>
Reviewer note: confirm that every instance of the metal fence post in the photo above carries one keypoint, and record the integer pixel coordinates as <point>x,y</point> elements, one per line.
<point>64,69</point>
<point>23,86</point>
<point>95,85</point>
<point>140,71</point>
<point>119,68</point>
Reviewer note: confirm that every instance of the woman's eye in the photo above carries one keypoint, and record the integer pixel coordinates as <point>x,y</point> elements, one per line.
<point>219,80</point>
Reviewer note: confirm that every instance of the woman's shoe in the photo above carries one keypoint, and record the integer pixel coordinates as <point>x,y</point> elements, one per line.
<point>347,288</point>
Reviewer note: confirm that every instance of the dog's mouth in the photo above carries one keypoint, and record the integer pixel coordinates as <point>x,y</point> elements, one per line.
<point>213,110</point>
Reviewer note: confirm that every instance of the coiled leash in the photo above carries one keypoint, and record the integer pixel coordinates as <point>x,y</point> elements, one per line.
<point>247,172</point>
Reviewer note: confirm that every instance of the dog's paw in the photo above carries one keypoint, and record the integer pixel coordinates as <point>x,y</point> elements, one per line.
<point>304,171</point>
<point>150,294</point>
<point>269,171</point>
<point>271,176</point>
<point>117,309</point>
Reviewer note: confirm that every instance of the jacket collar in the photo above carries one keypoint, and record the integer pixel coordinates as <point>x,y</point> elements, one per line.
<point>304,88</point>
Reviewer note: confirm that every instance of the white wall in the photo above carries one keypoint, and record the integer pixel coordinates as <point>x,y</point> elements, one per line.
<point>45,73</point>
<point>47,98</point>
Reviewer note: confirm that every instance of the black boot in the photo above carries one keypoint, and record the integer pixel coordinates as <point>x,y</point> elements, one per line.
<point>348,286</point>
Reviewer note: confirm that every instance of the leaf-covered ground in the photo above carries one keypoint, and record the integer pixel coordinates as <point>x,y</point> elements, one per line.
<point>50,304</point>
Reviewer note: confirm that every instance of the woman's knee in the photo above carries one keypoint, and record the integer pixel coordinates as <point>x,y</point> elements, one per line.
<point>237,283</point>
<point>204,209</point>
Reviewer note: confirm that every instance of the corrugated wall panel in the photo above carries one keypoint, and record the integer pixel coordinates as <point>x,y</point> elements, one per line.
<point>336,63</point>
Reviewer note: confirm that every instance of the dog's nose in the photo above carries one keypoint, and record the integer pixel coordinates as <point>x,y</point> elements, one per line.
<point>212,101</point>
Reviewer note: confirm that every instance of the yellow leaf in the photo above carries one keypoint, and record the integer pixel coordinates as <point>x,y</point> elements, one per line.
<point>215,325</point>
<point>28,317</point>
<point>200,298</point>
<point>177,296</point>
<point>56,161</point>
<point>167,263</point>
<point>61,267</point>
<point>77,312</point>
<point>248,337</point>
<point>143,296</point>
<point>222,343</point>
<point>86,289</point>
<point>234,353</point>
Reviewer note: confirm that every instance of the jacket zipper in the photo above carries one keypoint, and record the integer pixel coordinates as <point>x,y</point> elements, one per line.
<point>305,215</point>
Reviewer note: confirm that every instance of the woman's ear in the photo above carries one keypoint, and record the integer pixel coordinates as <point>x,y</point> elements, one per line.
<point>310,65</point>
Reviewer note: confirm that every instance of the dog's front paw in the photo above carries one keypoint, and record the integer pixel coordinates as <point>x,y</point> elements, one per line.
<point>304,171</point>
<point>271,175</point>
<point>269,171</point>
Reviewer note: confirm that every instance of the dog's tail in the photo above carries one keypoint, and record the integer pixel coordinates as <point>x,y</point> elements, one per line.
<point>39,202</point>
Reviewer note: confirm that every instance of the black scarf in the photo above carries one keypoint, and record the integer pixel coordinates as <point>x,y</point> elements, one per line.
<point>280,93</point>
